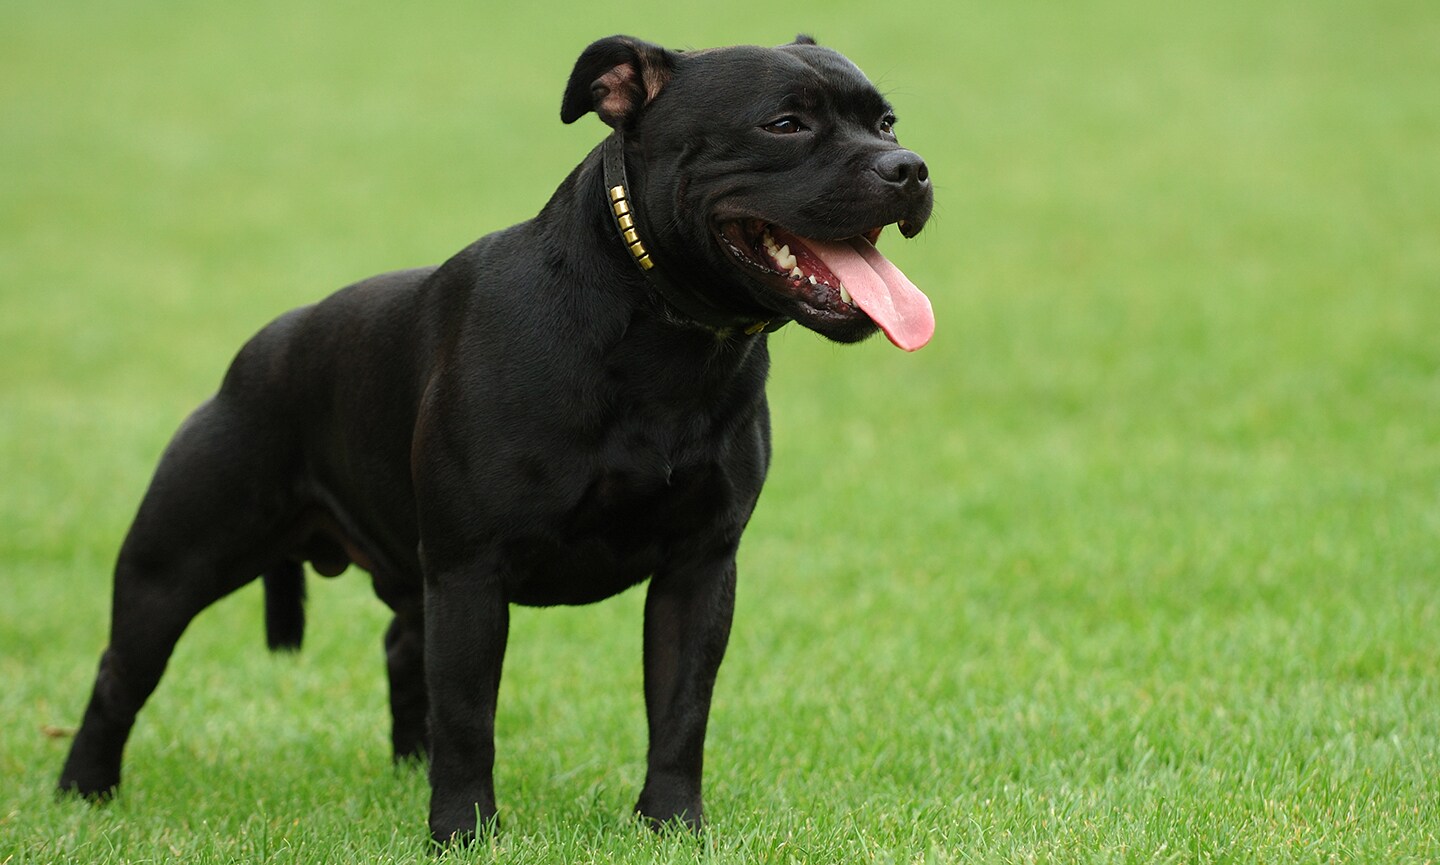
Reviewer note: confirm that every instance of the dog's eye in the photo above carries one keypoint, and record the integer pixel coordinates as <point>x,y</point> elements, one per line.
<point>887,124</point>
<point>788,125</point>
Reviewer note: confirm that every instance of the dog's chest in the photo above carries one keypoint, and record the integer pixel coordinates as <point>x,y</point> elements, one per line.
<point>627,513</point>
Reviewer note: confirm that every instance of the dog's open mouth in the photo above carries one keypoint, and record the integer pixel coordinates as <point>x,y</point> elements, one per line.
<point>833,279</point>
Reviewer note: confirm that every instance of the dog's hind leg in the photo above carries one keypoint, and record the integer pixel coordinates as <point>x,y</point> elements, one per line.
<point>405,662</point>
<point>208,525</point>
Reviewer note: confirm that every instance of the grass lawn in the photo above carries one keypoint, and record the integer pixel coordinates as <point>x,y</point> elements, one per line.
<point>1138,561</point>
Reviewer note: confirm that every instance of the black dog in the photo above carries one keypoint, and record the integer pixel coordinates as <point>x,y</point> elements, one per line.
<point>558,412</point>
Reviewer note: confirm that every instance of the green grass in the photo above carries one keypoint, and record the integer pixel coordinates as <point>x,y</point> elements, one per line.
<point>1139,561</point>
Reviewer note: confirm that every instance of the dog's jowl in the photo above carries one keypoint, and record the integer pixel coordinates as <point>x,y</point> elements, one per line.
<point>562,410</point>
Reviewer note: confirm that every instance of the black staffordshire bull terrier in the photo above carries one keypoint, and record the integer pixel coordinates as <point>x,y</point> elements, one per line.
<point>560,411</point>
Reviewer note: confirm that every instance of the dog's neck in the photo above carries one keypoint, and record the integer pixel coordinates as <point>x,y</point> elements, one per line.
<point>627,220</point>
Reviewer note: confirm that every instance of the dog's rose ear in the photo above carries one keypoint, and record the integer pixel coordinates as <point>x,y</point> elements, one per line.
<point>804,39</point>
<point>615,78</point>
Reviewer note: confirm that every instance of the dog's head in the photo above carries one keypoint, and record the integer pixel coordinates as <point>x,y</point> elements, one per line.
<point>764,177</point>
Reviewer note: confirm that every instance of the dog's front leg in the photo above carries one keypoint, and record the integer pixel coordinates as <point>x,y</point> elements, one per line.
<point>687,624</point>
<point>467,620</point>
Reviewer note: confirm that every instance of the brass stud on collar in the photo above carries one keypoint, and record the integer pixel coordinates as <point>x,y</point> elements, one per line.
<point>620,204</point>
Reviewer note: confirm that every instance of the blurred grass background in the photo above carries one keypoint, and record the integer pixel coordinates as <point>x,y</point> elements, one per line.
<point>1138,561</point>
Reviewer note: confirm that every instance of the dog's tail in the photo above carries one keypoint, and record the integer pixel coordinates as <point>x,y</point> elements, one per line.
<point>284,606</point>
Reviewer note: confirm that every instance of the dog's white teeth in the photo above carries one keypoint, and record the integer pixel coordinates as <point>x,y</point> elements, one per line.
<point>797,272</point>
<point>814,281</point>
<point>845,295</point>
<point>780,255</point>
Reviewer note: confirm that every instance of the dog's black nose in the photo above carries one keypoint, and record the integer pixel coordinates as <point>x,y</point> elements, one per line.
<point>903,168</point>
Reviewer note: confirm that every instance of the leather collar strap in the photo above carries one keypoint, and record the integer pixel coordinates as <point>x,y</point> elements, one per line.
<point>686,302</point>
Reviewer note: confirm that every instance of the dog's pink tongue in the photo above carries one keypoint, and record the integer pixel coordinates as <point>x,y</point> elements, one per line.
<point>879,288</point>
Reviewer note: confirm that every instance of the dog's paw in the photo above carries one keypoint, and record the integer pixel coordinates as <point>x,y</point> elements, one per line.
<point>684,820</point>
<point>84,777</point>
<point>663,810</point>
<point>444,837</point>
<point>95,792</point>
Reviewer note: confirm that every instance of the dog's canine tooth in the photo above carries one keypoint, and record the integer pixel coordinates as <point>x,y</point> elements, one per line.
<point>779,255</point>
<point>845,295</point>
